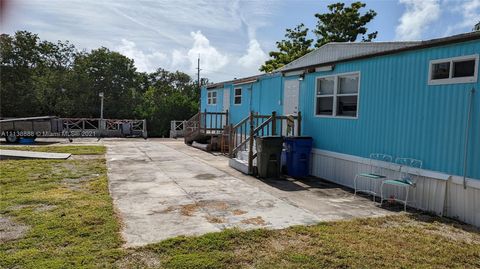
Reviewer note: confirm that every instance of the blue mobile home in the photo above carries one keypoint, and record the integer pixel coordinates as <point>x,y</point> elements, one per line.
<point>406,99</point>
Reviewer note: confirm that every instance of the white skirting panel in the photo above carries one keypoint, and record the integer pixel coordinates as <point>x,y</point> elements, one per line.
<point>464,204</point>
<point>435,192</point>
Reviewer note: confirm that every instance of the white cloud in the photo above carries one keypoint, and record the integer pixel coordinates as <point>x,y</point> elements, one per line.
<point>157,33</point>
<point>469,10</point>
<point>255,56</point>
<point>145,62</point>
<point>211,59</point>
<point>419,14</point>
<point>215,64</point>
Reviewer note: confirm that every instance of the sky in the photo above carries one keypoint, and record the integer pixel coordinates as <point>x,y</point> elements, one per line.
<point>232,38</point>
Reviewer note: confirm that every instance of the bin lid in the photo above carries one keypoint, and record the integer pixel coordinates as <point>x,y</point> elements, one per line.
<point>298,138</point>
<point>272,137</point>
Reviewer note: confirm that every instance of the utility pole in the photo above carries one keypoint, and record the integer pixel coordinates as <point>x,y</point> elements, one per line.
<point>198,73</point>
<point>101,105</point>
<point>199,84</point>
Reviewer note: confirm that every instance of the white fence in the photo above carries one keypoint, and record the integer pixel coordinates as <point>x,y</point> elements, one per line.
<point>177,128</point>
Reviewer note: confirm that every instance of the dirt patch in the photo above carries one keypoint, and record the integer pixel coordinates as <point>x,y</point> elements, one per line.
<point>36,207</point>
<point>44,207</point>
<point>142,259</point>
<point>432,225</point>
<point>284,241</point>
<point>217,205</point>
<point>189,209</point>
<point>238,212</point>
<point>10,230</point>
<point>168,209</point>
<point>205,176</point>
<point>18,207</point>
<point>213,219</point>
<point>454,234</point>
<point>255,221</point>
<point>75,183</point>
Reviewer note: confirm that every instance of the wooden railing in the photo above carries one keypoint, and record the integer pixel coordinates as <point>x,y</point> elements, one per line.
<point>213,122</point>
<point>207,123</point>
<point>177,128</point>
<point>242,134</point>
<point>191,127</point>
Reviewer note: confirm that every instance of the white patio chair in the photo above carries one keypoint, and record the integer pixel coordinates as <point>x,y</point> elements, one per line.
<point>373,176</point>
<point>409,170</point>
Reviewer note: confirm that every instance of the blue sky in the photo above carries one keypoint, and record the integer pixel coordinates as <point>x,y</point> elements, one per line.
<point>232,37</point>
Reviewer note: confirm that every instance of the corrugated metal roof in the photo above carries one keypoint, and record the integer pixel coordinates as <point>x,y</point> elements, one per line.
<point>340,51</point>
<point>234,81</point>
<point>336,51</point>
<point>333,52</point>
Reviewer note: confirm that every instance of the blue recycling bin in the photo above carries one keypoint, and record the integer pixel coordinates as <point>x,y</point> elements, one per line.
<point>298,155</point>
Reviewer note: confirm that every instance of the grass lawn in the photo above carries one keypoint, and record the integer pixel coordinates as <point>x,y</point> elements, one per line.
<point>58,214</point>
<point>75,150</point>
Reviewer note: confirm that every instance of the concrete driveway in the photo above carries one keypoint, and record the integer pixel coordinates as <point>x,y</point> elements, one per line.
<point>163,188</point>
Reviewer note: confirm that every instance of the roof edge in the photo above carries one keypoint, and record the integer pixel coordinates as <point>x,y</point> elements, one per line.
<point>465,37</point>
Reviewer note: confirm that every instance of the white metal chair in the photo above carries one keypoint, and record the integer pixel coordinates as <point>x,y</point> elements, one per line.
<point>373,176</point>
<point>409,170</point>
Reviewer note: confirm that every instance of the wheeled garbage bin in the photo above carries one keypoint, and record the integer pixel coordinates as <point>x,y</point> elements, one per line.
<point>298,155</point>
<point>269,151</point>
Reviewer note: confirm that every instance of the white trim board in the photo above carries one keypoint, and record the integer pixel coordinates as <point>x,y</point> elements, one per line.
<point>451,79</point>
<point>471,182</point>
<point>335,95</point>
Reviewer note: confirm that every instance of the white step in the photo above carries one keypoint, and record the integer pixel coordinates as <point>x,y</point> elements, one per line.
<point>239,165</point>
<point>243,156</point>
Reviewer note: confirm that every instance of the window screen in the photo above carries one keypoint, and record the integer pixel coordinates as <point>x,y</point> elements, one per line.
<point>464,68</point>
<point>238,96</point>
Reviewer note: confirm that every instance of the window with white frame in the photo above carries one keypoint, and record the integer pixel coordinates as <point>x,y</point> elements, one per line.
<point>238,96</point>
<point>212,97</point>
<point>461,69</point>
<point>337,96</point>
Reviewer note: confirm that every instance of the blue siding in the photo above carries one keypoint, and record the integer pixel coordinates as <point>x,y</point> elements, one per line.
<point>268,94</point>
<point>211,108</point>
<point>240,111</point>
<point>263,97</point>
<point>400,114</point>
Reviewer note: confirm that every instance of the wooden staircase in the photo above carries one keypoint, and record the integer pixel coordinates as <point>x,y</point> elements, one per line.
<point>206,127</point>
<point>242,136</point>
<point>213,129</point>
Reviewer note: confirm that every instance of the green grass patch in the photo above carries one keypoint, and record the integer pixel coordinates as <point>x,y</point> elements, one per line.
<point>70,223</point>
<point>406,241</point>
<point>75,150</point>
<point>67,210</point>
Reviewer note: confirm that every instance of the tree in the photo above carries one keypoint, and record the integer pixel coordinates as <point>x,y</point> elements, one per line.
<point>32,74</point>
<point>105,71</point>
<point>170,96</point>
<point>293,47</point>
<point>344,24</point>
<point>43,78</point>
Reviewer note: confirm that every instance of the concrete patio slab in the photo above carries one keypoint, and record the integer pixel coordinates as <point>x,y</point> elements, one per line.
<point>163,189</point>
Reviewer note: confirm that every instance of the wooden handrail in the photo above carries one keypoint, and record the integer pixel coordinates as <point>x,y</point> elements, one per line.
<point>255,126</point>
<point>208,123</point>
<point>263,125</point>
<point>241,122</point>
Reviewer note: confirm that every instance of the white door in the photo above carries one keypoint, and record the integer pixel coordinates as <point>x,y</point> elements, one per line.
<point>226,105</point>
<point>226,99</point>
<point>290,97</point>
